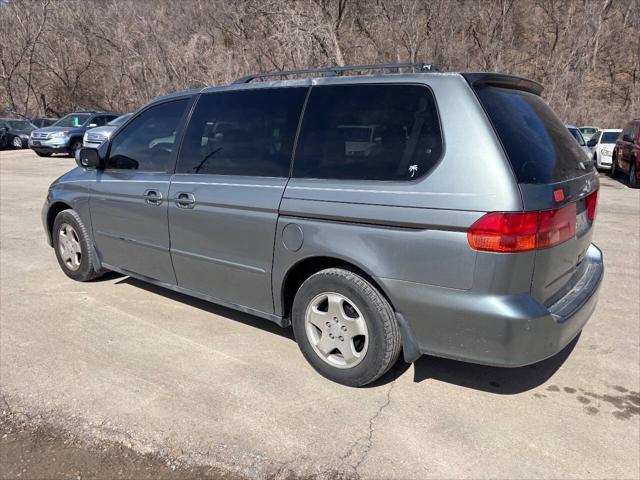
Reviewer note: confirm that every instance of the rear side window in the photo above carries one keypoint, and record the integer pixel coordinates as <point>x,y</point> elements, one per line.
<point>248,132</point>
<point>368,132</point>
<point>147,142</point>
<point>539,146</point>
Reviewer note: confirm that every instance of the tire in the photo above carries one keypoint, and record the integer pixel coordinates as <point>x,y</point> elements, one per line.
<point>75,254</point>
<point>75,145</point>
<point>354,317</point>
<point>41,154</point>
<point>613,173</point>
<point>16,143</point>
<point>633,179</point>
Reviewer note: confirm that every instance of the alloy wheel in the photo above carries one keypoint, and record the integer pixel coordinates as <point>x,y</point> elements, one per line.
<point>69,247</point>
<point>337,330</point>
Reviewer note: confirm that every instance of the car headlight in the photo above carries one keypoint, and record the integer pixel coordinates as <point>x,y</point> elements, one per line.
<point>85,136</point>
<point>606,151</point>
<point>59,134</point>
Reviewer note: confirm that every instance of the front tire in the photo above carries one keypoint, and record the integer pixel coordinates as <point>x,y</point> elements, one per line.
<point>345,328</point>
<point>75,146</point>
<point>73,247</point>
<point>614,168</point>
<point>633,178</point>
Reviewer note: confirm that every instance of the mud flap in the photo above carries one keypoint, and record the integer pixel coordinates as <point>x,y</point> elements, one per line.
<point>410,349</point>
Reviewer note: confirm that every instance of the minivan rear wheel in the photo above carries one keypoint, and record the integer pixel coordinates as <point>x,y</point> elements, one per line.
<point>73,248</point>
<point>345,328</point>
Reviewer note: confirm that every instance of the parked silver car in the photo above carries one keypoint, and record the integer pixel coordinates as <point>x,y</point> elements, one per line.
<point>580,139</point>
<point>94,137</point>
<point>463,231</point>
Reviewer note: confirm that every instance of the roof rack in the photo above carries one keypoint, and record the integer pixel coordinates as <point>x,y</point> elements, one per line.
<point>334,71</point>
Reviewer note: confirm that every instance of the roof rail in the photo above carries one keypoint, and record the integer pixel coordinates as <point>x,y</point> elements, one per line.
<point>334,71</point>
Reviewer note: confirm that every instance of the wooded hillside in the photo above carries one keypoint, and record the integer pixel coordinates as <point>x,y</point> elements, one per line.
<point>59,56</point>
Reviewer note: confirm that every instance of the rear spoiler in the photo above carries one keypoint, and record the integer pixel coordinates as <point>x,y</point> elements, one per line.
<point>503,80</point>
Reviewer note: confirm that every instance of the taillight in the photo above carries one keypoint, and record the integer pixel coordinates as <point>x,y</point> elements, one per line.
<point>591,200</point>
<point>509,232</point>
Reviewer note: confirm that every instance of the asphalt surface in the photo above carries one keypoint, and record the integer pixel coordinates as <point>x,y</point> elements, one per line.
<point>117,360</point>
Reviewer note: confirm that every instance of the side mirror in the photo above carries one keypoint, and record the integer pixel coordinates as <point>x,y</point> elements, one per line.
<point>88,158</point>
<point>592,142</point>
<point>627,138</point>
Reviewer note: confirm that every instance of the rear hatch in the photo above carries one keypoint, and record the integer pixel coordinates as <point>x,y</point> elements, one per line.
<point>553,175</point>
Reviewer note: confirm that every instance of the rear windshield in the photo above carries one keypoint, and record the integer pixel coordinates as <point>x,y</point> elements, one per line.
<point>539,146</point>
<point>609,137</point>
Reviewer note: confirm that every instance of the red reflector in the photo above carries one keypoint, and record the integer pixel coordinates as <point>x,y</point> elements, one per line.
<point>592,200</point>
<point>508,232</point>
<point>556,226</point>
<point>558,195</point>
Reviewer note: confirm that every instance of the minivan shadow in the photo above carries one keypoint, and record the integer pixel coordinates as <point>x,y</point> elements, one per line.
<point>501,381</point>
<point>225,312</point>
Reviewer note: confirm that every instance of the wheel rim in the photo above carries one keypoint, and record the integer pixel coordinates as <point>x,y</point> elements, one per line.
<point>69,247</point>
<point>17,142</point>
<point>337,330</point>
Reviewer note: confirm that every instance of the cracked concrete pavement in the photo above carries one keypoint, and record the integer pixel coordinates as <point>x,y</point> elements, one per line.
<point>159,372</point>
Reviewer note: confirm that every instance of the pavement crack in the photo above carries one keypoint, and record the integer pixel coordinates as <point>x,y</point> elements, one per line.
<point>368,443</point>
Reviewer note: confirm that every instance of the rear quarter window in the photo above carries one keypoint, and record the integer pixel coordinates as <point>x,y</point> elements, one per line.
<point>538,145</point>
<point>368,132</point>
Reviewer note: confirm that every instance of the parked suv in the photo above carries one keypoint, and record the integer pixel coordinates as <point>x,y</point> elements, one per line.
<point>464,231</point>
<point>626,153</point>
<point>65,136</point>
<point>94,137</point>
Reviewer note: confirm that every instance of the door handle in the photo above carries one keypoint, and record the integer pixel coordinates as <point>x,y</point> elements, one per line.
<point>185,200</point>
<point>152,197</point>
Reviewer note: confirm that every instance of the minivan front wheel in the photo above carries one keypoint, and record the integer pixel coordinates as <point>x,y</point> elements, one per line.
<point>345,328</point>
<point>73,247</point>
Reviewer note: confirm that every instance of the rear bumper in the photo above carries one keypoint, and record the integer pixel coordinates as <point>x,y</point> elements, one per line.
<point>507,330</point>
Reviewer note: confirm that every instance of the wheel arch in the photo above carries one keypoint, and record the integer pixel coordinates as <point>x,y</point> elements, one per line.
<point>54,209</point>
<point>304,268</point>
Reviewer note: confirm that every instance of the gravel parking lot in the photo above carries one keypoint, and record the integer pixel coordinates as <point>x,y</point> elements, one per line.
<point>117,361</point>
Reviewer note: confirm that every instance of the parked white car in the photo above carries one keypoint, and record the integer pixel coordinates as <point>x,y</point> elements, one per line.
<point>601,147</point>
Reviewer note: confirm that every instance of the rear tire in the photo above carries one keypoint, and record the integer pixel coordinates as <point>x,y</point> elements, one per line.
<point>73,247</point>
<point>41,154</point>
<point>345,328</point>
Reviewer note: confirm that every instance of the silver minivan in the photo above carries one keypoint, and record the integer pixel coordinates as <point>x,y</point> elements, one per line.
<point>430,213</point>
